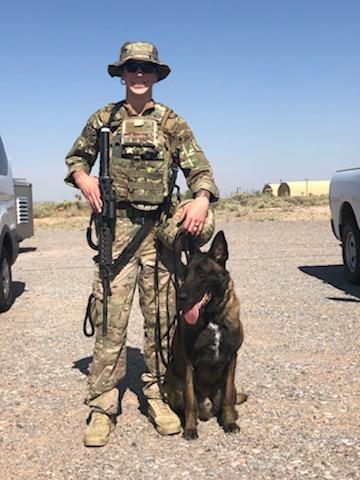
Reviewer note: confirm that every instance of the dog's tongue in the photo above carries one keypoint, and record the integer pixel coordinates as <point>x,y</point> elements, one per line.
<point>192,315</point>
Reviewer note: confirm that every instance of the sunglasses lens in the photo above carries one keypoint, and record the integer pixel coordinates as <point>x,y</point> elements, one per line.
<point>133,67</point>
<point>148,68</point>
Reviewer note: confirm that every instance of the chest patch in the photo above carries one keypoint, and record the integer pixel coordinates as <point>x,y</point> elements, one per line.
<point>139,132</point>
<point>215,346</point>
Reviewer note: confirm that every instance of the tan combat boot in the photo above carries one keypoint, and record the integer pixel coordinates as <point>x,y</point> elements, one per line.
<point>98,430</point>
<point>165,420</point>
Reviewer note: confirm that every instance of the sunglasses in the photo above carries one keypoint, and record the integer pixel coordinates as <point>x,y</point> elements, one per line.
<point>145,67</point>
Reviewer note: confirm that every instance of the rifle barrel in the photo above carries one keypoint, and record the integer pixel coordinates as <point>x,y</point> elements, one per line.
<point>104,152</point>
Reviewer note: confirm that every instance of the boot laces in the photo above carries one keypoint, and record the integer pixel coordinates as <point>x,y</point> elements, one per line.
<point>161,407</point>
<point>98,419</point>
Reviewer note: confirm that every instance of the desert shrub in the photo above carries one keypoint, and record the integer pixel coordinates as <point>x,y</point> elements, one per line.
<point>259,200</point>
<point>239,204</point>
<point>311,200</point>
<point>43,209</point>
<point>66,208</point>
<point>64,205</point>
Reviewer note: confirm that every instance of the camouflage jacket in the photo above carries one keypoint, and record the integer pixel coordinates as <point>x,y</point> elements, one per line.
<point>192,161</point>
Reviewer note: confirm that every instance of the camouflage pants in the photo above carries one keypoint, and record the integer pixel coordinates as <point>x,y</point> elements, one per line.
<point>109,361</point>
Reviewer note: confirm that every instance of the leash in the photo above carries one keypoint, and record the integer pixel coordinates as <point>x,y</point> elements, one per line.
<point>170,324</point>
<point>88,320</point>
<point>177,249</point>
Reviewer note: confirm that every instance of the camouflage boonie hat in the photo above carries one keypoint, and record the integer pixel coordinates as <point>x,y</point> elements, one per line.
<point>146,52</point>
<point>167,231</point>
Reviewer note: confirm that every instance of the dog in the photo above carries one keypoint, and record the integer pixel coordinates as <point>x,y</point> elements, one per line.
<point>199,381</point>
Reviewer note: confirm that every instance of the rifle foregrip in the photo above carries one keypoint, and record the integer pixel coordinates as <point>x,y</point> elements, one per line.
<point>105,250</point>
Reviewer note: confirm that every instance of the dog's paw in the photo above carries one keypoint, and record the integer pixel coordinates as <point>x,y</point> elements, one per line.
<point>231,428</point>
<point>190,434</point>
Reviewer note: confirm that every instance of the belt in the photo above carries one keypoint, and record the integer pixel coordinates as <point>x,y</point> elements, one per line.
<point>140,217</point>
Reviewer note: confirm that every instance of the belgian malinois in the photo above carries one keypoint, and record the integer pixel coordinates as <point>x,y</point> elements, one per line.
<point>199,382</point>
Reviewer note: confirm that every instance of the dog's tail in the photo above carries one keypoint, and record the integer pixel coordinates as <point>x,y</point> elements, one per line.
<point>240,398</point>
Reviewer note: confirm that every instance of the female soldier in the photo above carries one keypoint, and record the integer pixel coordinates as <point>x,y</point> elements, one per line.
<point>152,137</point>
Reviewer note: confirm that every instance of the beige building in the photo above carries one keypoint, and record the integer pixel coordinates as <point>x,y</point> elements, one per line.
<point>302,188</point>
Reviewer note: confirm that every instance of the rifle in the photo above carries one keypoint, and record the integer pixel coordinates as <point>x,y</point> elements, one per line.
<point>104,224</point>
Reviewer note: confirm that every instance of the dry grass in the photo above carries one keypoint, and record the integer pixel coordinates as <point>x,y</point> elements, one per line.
<point>261,207</point>
<point>63,214</point>
<point>64,209</point>
<point>238,207</point>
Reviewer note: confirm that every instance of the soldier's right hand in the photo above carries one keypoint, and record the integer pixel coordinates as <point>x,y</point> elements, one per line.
<point>90,188</point>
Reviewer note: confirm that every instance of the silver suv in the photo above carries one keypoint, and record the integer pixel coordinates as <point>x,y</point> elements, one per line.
<point>9,241</point>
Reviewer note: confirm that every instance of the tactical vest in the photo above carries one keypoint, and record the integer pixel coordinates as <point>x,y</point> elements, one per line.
<point>140,161</point>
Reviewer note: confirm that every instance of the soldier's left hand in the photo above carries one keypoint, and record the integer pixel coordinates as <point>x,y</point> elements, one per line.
<point>194,214</point>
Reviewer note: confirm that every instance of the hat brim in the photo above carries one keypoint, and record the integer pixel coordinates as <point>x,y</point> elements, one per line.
<point>114,69</point>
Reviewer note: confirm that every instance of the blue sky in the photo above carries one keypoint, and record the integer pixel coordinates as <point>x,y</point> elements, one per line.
<point>270,87</point>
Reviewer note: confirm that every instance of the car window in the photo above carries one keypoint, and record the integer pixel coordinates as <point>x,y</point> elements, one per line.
<point>3,160</point>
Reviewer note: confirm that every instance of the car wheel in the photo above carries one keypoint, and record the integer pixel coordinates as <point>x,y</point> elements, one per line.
<point>351,251</point>
<point>6,288</point>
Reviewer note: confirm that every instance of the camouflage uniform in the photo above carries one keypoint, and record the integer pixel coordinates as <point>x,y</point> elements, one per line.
<point>108,366</point>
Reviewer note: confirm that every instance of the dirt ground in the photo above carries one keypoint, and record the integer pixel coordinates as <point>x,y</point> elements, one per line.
<point>299,365</point>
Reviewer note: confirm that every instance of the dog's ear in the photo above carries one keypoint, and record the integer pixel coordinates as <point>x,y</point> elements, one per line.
<point>219,249</point>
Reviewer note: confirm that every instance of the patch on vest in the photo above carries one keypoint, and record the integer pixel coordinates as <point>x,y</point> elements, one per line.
<point>139,132</point>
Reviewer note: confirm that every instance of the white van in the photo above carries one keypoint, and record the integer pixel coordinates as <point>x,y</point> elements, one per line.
<point>9,240</point>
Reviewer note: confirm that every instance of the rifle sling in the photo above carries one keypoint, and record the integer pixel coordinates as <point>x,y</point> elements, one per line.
<point>128,252</point>
<point>122,260</point>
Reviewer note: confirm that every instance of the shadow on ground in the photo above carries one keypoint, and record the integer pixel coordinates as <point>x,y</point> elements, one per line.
<point>135,366</point>
<point>334,275</point>
<point>18,288</point>
<point>27,249</point>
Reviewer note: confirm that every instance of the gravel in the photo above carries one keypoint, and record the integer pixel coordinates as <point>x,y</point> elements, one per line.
<point>299,365</point>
